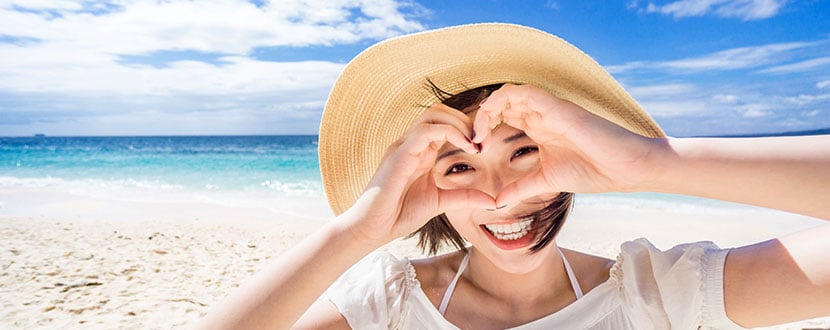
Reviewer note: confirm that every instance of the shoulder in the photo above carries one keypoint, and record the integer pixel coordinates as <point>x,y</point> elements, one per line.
<point>640,262</point>
<point>383,265</point>
<point>682,285</point>
<point>380,280</point>
<point>374,274</point>
<point>640,256</point>
<point>384,259</point>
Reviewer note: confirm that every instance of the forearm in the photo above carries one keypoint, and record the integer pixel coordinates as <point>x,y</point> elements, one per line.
<point>278,295</point>
<point>785,173</point>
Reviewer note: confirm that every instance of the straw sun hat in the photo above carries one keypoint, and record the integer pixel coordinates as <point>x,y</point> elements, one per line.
<point>384,89</point>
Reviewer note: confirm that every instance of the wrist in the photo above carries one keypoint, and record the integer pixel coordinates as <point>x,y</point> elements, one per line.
<point>352,226</point>
<point>658,164</point>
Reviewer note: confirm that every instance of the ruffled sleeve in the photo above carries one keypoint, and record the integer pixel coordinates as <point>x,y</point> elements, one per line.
<point>680,288</point>
<point>371,294</point>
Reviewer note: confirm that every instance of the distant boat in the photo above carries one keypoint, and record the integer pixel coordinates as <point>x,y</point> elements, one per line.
<point>40,135</point>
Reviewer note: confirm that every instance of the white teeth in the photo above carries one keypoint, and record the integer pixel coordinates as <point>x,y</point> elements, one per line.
<point>513,231</point>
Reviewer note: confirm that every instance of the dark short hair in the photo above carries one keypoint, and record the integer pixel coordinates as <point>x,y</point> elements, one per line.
<point>438,231</point>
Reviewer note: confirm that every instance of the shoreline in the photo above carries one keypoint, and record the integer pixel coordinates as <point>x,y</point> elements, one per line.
<point>72,261</point>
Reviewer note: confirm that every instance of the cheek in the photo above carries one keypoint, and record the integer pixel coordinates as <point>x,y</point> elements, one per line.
<point>461,220</point>
<point>453,181</point>
<point>525,165</point>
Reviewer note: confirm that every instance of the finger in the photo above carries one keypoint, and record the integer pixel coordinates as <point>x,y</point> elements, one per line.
<point>442,114</point>
<point>486,119</point>
<point>434,136</point>
<point>416,154</point>
<point>449,200</point>
<point>516,118</point>
<point>491,112</point>
<point>534,184</point>
<point>443,108</point>
<point>518,106</point>
<point>412,155</point>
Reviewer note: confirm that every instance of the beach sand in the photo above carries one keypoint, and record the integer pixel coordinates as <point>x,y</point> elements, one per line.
<point>72,261</point>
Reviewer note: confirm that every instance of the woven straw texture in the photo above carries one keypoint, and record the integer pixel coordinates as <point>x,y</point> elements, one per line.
<point>384,89</point>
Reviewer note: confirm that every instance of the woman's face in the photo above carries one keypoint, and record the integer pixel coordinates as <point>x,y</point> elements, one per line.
<point>503,235</point>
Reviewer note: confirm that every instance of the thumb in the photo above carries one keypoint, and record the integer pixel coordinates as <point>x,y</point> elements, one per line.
<point>463,199</point>
<point>534,184</point>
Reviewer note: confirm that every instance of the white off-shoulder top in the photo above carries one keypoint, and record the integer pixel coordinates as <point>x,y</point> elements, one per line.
<point>680,288</point>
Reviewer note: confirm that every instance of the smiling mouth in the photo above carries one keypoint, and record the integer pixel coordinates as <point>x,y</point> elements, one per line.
<point>511,231</point>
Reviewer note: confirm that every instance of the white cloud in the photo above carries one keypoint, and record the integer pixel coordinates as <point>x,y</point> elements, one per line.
<point>725,98</point>
<point>674,108</point>
<point>64,69</point>
<point>805,99</point>
<point>799,66</point>
<point>742,9</point>
<point>552,5</point>
<point>669,100</point>
<point>61,5</point>
<point>755,110</point>
<point>81,51</point>
<point>729,59</point>
<point>666,90</point>
<point>678,100</point>
<point>823,84</point>
<point>239,75</point>
<point>686,100</point>
<point>230,26</point>
<point>702,104</point>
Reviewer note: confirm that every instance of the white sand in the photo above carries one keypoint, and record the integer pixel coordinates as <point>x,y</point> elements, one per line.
<point>86,261</point>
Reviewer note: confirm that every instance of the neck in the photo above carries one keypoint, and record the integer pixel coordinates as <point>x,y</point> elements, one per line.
<point>522,289</point>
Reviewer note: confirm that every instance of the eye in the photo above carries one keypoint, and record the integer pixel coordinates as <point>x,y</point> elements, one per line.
<point>458,168</point>
<point>524,151</point>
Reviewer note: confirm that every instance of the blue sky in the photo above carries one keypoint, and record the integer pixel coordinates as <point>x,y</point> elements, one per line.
<point>177,67</point>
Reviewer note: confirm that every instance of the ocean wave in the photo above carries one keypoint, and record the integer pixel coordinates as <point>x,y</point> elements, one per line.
<point>300,188</point>
<point>94,186</point>
<point>11,182</point>
<point>659,202</point>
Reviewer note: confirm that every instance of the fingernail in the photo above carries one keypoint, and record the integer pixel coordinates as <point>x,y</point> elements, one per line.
<point>471,147</point>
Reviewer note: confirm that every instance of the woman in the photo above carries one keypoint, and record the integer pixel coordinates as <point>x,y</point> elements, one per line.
<point>538,119</point>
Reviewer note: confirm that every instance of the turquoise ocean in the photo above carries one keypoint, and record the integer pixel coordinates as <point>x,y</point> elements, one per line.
<point>277,164</point>
<point>261,166</point>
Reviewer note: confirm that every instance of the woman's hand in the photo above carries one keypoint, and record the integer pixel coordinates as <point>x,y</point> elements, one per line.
<point>579,151</point>
<point>402,196</point>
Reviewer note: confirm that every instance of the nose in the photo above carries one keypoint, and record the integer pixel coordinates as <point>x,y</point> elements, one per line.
<point>491,183</point>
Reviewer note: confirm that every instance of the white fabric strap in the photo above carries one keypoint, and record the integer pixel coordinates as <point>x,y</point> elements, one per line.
<point>446,300</point>
<point>571,276</point>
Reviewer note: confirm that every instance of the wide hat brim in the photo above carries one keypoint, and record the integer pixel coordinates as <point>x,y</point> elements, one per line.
<point>385,88</point>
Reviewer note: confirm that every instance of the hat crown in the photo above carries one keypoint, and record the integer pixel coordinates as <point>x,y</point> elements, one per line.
<point>385,88</point>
